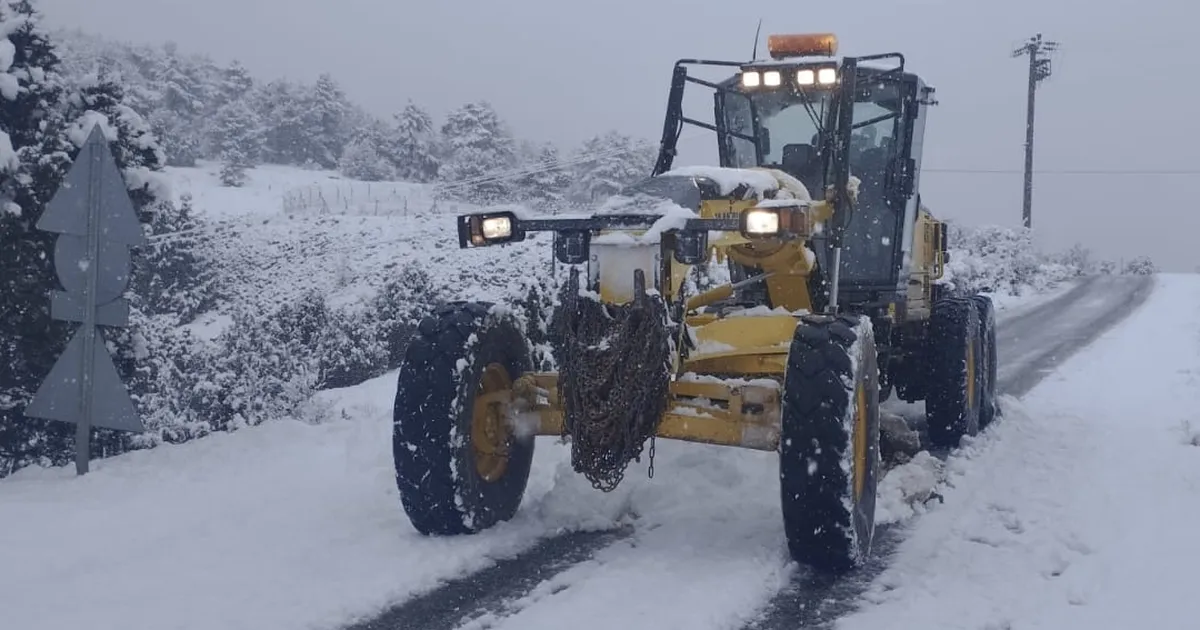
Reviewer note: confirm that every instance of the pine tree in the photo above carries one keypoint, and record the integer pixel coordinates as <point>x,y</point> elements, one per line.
<point>179,280</point>
<point>480,148</point>
<point>413,145</point>
<point>327,114</point>
<point>179,104</point>
<point>236,82</point>
<point>29,95</point>
<point>240,142</point>
<point>289,139</point>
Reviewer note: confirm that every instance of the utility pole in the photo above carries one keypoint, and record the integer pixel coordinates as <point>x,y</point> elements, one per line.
<point>1038,51</point>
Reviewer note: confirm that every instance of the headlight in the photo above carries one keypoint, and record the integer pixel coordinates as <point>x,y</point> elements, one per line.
<point>489,228</point>
<point>772,78</point>
<point>758,222</point>
<point>751,79</point>
<point>496,228</point>
<point>806,77</point>
<point>825,76</point>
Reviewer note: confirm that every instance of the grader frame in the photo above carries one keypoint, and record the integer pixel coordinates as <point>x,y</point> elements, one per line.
<point>792,355</point>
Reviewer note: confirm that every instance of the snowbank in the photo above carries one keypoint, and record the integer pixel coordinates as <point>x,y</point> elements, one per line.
<point>1079,509</point>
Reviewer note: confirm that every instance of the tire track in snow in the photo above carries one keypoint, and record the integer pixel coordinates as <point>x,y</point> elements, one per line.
<point>1029,347</point>
<point>457,600</point>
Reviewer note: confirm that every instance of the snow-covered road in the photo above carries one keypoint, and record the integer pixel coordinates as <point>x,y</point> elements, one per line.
<point>291,526</point>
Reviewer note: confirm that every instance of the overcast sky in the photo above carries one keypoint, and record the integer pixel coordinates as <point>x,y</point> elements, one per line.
<point>560,71</point>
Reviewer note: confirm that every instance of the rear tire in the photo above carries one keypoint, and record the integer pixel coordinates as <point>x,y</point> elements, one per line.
<point>447,484</point>
<point>955,377</point>
<point>829,457</point>
<point>989,408</point>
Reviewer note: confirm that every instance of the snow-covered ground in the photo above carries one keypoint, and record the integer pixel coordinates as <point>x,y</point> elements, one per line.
<point>1080,510</point>
<point>292,525</point>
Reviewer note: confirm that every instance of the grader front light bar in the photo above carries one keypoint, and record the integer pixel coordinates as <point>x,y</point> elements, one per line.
<point>573,235</point>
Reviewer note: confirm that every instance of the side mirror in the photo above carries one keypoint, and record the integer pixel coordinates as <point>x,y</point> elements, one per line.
<point>691,246</point>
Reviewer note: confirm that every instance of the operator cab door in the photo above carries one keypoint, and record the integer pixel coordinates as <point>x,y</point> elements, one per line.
<point>880,151</point>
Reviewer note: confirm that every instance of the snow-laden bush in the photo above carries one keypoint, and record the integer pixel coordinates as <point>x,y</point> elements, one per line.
<point>1140,266</point>
<point>266,366</point>
<point>407,297</point>
<point>1001,260</point>
<point>362,161</point>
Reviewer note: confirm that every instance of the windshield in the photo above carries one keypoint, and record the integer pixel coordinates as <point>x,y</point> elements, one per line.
<point>789,126</point>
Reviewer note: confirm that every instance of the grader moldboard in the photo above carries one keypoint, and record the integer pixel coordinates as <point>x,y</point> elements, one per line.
<point>833,304</point>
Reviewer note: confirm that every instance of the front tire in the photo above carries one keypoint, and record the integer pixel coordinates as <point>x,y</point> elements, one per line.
<point>460,467</point>
<point>829,456</point>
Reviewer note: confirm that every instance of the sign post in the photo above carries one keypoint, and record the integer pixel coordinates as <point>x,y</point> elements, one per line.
<point>97,224</point>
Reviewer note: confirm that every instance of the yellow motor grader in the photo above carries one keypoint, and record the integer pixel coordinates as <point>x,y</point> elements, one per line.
<point>833,302</point>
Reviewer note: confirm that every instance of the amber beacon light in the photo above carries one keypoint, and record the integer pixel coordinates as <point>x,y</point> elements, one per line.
<point>802,45</point>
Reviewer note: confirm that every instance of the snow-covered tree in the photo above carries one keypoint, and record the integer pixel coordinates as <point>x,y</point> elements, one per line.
<point>179,107</point>
<point>546,182</point>
<point>327,113</point>
<point>361,160</point>
<point>412,147</point>
<point>608,163</point>
<point>480,148</point>
<point>240,142</point>
<point>236,82</point>
<point>29,91</point>
<point>179,280</point>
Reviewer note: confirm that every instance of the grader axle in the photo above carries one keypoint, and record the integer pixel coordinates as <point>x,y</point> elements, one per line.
<point>707,411</point>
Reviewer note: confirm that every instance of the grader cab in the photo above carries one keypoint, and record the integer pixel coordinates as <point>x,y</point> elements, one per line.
<point>832,303</point>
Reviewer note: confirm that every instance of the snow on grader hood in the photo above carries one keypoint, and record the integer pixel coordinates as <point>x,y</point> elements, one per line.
<point>771,360</point>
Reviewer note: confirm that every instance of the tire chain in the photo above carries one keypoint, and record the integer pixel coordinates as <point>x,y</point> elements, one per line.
<point>614,373</point>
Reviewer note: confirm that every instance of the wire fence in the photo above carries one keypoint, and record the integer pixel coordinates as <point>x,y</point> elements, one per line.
<point>362,198</point>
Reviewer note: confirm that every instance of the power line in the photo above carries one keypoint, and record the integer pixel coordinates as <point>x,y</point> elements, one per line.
<point>1009,171</point>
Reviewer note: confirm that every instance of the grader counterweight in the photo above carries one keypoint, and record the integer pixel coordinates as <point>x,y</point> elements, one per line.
<point>833,302</point>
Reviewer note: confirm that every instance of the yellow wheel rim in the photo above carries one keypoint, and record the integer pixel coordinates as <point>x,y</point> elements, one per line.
<point>490,431</point>
<point>860,441</point>
<point>971,374</point>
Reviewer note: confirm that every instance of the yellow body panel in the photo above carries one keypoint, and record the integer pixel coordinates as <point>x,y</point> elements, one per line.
<point>707,412</point>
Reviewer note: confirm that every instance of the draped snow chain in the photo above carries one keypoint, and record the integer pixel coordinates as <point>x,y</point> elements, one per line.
<point>614,371</point>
